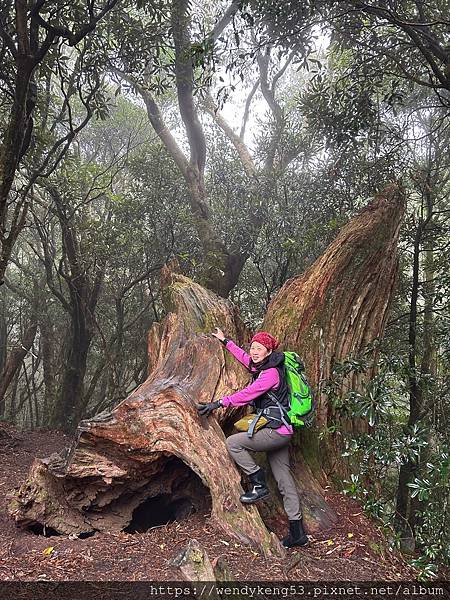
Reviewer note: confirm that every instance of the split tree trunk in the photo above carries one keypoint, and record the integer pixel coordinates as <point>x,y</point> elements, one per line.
<point>154,445</point>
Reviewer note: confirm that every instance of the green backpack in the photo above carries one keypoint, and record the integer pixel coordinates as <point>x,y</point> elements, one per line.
<point>301,410</point>
<point>301,404</point>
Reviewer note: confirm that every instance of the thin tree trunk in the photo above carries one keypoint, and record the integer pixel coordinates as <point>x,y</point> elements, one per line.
<point>10,410</point>
<point>29,395</point>
<point>48,367</point>
<point>15,359</point>
<point>3,342</point>
<point>407,508</point>
<point>84,294</point>
<point>427,369</point>
<point>409,468</point>
<point>68,409</point>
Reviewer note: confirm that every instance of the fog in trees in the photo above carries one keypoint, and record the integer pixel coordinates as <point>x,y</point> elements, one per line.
<point>236,142</point>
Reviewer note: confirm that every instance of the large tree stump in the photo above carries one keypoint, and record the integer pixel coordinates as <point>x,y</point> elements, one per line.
<point>154,446</point>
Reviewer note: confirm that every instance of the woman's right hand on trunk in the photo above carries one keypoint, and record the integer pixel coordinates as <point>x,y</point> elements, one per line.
<point>219,334</point>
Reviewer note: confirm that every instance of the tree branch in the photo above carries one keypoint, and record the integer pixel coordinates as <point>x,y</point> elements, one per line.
<point>9,42</point>
<point>282,71</point>
<point>411,30</point>
<point>241,148</point>
<point>247,108</point>
<point>184,74</point>
<point>72,37</point>
<point>225,20</point>
<point>267,90</point>
<point>158,124</point>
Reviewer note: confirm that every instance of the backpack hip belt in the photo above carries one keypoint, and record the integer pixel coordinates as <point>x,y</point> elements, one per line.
<point>276,416</point>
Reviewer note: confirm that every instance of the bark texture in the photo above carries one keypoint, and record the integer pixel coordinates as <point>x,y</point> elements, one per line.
<point>339,306</point>
<point>154,445</point>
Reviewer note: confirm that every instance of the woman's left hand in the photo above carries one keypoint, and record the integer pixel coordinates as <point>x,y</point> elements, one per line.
<point>204,410</point>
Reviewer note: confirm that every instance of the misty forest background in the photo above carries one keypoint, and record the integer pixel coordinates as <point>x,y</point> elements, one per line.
<point>237,138</point>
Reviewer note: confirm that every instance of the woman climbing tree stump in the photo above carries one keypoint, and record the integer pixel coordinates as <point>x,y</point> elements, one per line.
<point>153,444</point>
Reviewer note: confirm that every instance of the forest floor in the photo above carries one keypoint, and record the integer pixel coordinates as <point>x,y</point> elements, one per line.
<point>353,550</point>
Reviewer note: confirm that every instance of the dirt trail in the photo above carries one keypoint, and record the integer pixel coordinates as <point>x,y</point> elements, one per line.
<point>355,550</point>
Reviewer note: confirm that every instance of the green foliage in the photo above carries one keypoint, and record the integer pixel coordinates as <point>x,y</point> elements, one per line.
<point>376,33</point>
<point>434,490</point>
<point>378,455</point>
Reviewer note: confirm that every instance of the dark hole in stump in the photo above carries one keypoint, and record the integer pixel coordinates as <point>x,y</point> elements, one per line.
<point>39,529</point>
<point>159,511</point>
<point>186,495</point>
<point>182,493</point>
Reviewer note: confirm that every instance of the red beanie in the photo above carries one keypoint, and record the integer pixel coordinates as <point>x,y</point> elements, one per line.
<point>266,339</point>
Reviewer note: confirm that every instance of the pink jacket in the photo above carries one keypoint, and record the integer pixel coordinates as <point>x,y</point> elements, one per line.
<point>267,380</point>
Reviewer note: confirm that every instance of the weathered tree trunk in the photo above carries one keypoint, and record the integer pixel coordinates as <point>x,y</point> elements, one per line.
<point>154,446</point>
<point>338,307</point>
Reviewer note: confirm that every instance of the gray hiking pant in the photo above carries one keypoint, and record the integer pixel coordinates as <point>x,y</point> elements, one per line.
<point>277,448</point>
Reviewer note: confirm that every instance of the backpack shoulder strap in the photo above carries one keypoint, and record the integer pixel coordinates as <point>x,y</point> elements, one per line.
<point>251,429</point>
<point>283,410</point>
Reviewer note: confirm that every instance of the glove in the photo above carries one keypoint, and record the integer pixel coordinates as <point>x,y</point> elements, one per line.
<point>204,410</point>
<point>220,336</point>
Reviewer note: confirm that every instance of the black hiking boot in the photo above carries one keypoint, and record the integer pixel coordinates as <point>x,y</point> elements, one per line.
<point>259,490</point>
<point>296,535</point>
